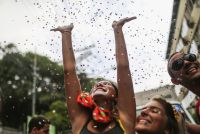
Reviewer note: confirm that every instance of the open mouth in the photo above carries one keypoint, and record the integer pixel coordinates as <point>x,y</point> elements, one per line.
<point>144,122</point>
<point>191,69</point>
<point>100,90</point>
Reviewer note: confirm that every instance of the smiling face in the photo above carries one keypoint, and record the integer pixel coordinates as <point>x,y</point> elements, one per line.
<point>184,69</point>
<point>152,120</point>
<point>103,90</point>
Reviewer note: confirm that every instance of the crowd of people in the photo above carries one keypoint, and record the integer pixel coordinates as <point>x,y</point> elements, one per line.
<point>110,108</point>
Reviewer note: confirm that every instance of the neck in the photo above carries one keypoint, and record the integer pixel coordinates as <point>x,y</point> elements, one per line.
<point>194,86</point>
<point>104,104</point>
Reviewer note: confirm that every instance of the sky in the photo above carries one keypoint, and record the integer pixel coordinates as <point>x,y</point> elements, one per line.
<point>27,24</point>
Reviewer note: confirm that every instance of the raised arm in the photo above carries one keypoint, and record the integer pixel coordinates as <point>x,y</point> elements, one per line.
<point>71,82</point>
<point>126,99</point>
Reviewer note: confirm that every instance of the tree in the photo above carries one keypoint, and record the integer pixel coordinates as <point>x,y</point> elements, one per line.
<point>58,116</point>
<point>16,83</point>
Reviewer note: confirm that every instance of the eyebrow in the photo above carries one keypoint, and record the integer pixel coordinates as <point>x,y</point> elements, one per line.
<point>151,107</point>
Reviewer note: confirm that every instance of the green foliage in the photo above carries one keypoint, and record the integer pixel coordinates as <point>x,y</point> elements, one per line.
<point>58,115</point>
<point>16,83</point>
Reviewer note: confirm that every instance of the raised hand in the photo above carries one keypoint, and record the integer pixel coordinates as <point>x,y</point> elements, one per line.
<point>121,22</point>
<point>67,28</point>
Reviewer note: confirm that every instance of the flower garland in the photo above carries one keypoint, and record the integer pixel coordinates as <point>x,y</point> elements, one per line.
<point>99,114</point>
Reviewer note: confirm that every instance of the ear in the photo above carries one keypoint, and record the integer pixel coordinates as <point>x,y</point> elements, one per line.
<point>175,81</point>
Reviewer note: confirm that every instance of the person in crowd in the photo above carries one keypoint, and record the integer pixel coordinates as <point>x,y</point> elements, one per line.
<point>108,108</point>
<point>38,125</point>
<point>184,69</point>
<point>157,117</point>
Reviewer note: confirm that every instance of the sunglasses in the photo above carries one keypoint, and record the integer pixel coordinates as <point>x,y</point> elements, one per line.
<point>178,64</point>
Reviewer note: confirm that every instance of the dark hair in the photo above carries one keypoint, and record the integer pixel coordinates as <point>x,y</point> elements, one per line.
<point>172,124</point>
<point>38,122</point>
<point>115,87</point>
<point>168,68</point>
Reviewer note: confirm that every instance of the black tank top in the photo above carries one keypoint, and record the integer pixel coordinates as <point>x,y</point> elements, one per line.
<point>116,130</point>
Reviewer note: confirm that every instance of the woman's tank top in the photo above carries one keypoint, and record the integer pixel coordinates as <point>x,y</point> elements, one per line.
<point>116,130</point>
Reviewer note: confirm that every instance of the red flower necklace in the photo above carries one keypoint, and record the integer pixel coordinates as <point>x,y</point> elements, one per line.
<point>99,114</point>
